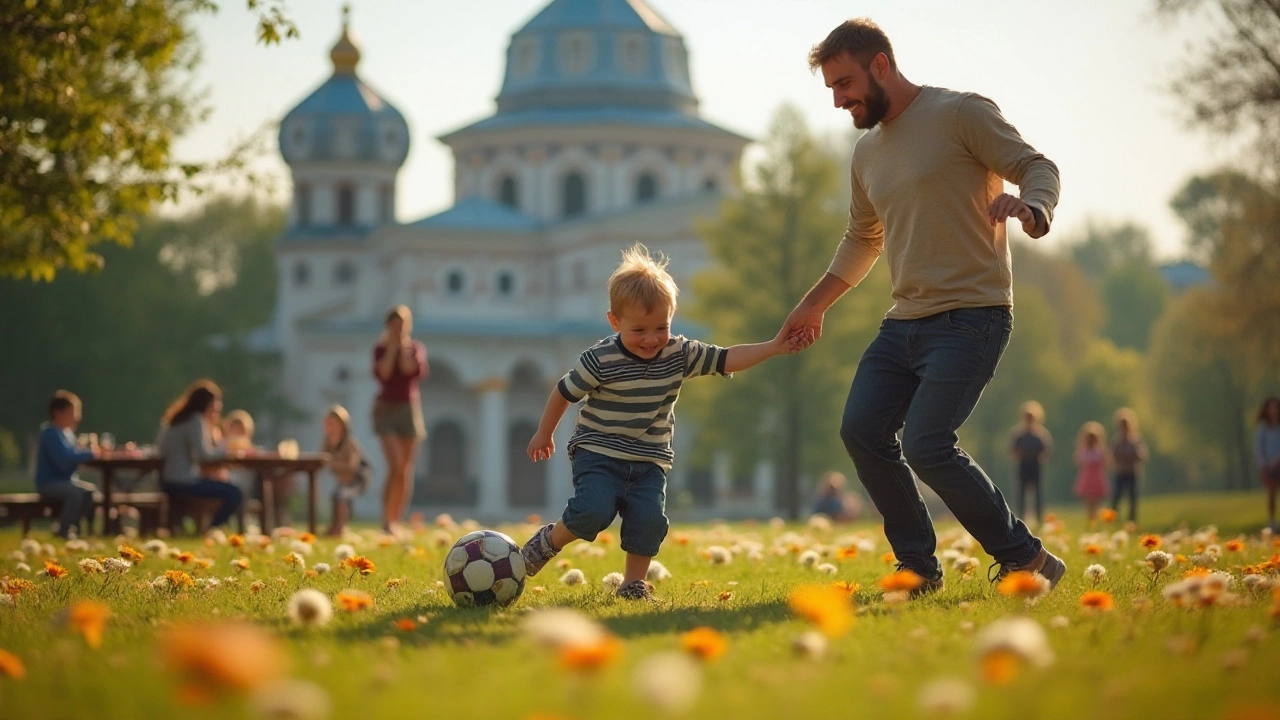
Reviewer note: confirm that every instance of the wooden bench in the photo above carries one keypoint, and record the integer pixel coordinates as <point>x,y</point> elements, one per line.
<point>26,507</point>
<point>201,510</point>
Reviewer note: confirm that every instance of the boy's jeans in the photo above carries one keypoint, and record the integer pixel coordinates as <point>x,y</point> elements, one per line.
<point>76,497</point>
<point>929,373</point>
<point>606,487</point>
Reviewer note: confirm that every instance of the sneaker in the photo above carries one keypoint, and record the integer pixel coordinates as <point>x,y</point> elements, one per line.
<point>636,590</point>
<point>1045,564</point>
<point>538,551</point>
<point>925,588</point>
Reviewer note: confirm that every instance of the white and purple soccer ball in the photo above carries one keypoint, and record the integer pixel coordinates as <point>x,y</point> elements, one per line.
<point>484,568</point>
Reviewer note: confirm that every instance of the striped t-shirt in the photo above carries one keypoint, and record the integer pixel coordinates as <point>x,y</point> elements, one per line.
<point>630,401</point>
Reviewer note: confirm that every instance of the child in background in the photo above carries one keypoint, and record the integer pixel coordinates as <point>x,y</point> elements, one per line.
<point>237,440</point>
<point>1266,450</point>
<point>348,464</point>
<point>621,448</point>
<point>57,458</point>
<point>1030,444</point>
<point>1128,452</point>
<point>1091,459</point>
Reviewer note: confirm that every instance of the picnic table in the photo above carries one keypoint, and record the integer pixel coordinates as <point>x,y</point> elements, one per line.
<point>269,466</point>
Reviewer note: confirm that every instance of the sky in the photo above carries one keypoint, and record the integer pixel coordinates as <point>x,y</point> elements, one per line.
<point>1083,81</point>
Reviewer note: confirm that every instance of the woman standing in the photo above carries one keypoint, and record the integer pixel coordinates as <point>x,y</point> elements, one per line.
<point>1266,449</point>
<point>1128,453</point>
<point>399,363</point>
<point>186,442</point>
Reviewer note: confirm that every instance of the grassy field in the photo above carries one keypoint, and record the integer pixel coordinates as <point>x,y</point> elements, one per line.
<point>163,649</point>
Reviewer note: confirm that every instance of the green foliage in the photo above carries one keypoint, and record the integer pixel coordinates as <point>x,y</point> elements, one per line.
<point>131,337</point>
<point>1135,296</point>
<point>10,452</point>
<point>1077,311</point>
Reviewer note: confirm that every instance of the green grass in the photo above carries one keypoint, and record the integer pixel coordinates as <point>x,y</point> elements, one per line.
<point>476,663</point>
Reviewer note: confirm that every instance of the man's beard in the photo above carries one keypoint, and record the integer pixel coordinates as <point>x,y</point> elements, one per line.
<point>876,104</point>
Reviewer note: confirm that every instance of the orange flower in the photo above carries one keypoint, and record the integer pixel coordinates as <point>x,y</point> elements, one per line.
<point>704,643</point>
<point>89,619</point>
<point>888,558</point>
<point>307,538</point>
<point>846,587</point>
<point>186,557</point>
<point>54,570</point>
<point>1150,542</point>
<point>1196,572</point>
<point>604,538</point>
<point>827,608</point>
<point>236,540</point>
<point>360,563</point>
<point>353,600</point>
<point>1050,517</point>
<point>1092,549</point>
<point>726,596</point>
<point>1020,584</point>
<point>1233,546</point>
<point>13,586</point>
<point>240,563</point>
<point>848,553</point>
<point>130,554</point>
<point>203,563</point>
<point>1000,667</point>
<point>406,625</point>
<point>1107,516</point>
<point>1097,600</point>
<point>11,666</point>
<point>222,656</point>
<point>900,581</point>
<point>179,579</point>
<point>681,538</point>
<point>591,656</point>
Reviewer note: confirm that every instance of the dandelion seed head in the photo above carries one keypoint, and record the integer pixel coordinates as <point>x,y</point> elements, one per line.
<point>310,608</point>
<point>573,577</point>
<point>612,581</point>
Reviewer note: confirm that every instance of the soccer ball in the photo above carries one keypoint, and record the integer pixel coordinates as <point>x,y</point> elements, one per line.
<point>484,567</point>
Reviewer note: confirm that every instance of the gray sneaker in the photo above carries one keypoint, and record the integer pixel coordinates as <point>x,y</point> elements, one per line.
<point>1045,564</point>
<point>636,590</point>
<point>538,551</point>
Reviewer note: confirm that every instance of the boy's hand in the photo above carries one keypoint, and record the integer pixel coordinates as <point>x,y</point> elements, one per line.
<point>541,446</point>
<point>786,343</point>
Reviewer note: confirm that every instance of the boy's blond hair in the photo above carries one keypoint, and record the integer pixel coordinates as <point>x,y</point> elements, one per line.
<point>238,416</point>
<point>643,280</point>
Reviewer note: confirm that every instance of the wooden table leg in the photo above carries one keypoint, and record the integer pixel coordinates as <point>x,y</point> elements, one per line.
<point>107,473</point>
<point>311,501</point>
<point>267,490</point>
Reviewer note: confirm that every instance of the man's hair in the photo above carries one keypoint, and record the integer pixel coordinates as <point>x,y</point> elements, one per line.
<point>62,400</point>
<point>641,280</point>
<point>861,38</point>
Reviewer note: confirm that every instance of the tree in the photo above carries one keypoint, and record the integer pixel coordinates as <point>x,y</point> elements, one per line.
<point>1234,83</point>
<point>1104,248</point>
<point>1135,296</point>
<point>131,337</point>
<point>1077,311</point>
<point>769,245</point>
<point>95,92</point>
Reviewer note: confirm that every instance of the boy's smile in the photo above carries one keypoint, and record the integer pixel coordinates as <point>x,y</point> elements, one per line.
<point>643,332</point>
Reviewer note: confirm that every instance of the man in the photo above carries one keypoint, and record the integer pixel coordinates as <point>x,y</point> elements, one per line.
<point>928,191</point>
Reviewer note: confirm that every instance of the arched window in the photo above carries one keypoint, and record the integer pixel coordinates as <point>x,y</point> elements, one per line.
<point>386,203</point>
<point>301,274</point>
<point>509,192</point>
<point>506,284</point>
<point>646,188</point>
<point>455,282</point>
<point>574,195</point>
<point>344,273</point>
<point>346,205</point>
<point>446,478</point>
<point>303,197</point>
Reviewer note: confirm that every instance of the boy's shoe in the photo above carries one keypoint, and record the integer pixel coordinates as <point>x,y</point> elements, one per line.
<point>1045,564</point>
<point>927,587</point>
<point>636,590</point>
<point>538,551</point>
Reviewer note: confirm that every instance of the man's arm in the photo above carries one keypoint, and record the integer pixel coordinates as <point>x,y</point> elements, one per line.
<point>996,143</point>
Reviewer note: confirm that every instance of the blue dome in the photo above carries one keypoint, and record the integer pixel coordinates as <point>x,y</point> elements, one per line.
<point>597,53</point>
<point>345,118</point>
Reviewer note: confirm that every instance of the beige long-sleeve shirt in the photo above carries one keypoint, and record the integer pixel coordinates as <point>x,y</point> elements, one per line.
<point>922,185</point>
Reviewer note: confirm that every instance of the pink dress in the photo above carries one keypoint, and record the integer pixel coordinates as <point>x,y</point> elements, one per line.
<point>1091,483</point>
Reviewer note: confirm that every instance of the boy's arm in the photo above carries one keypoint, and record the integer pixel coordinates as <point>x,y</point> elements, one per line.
<point>64,454</point>
<point>742,357</point>
<point>543,443</point>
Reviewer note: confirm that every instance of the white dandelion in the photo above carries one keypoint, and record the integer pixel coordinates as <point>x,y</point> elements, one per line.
<point>1020,636</point>
<point>76,546</point>
<point>6,600</point>
<point>669,681</point>
<point>30,547</point>
<point>1058,622</point>
<point>812,644</point>
<point>49,550</point>
<point>1159,560</point>
<point>828,568</point>
<point>573,577</point>
<point>1094,573</point>
<point>160,583</point>
<point>291,700</point>
<point>657,572</point>
<point>719,555</point>
<point>311,608</point>
<point>561,627</point>
<point>117,566</point>
<point>217,536</point>
<point>22,568</point>
<point>156,547</point>
<point>300,547</point>
<point>321,568</point>
<point>820,523</point>
<point>965,565</point>
<point>17,556</point>
<point>344,551</point>
<point>612,581</point>
<point>947,696</point>
<point>89,566</point>
<point>296,561</point>
<point>809,558</point>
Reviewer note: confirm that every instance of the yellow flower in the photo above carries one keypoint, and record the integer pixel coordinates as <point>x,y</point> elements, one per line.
<point>848,553</point>
<point>11,666</point>
<point>1107,516</point>
<point>353,600</point>
<point>185,557</point>
<point>307,538</point>
<point>179,579</point>
<point>591,656</point>
<point>1097,600</point>
<point>903,580</point>
<point>130,554</point>
<point>846,587</point>
<point>358,562</point>
<point>1019,583</point>
<point>240,563</point>
<point>13,586</point>
<point>825,607</point>
<point>1150,542</point>
<point>222,657</point>
<point>203,563</point>
<point>705,643</point>
<point>395,582</point>
<point>89,619</point>
<point>236,540</point>
<point>54,570</point>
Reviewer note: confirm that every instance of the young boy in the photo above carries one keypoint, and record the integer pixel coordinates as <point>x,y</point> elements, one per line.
<point>621,448</point>
<point>56,462</point>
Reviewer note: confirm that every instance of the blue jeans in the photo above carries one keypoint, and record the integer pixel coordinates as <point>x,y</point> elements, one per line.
<point>76,497</point>
<point>605,487</point>
<point>229,494</point>
<point>927,375</point>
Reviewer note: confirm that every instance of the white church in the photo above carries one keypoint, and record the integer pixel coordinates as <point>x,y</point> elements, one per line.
<point>595,143</point>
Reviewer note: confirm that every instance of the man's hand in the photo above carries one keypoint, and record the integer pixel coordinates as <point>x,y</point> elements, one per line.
<point>1007,206</point>
<point>803,327</point>
<point>541,446</point>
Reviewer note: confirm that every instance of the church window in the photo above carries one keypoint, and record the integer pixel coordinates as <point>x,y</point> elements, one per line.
<point>574,195</point>
<point>575,53</point>
<point>346,205</point>
<point>303,198</point>
<point>633,54</point>
<point>506,283</point>
<point>509,191</point>
<point>455,282</point>
<point>646,188</point>
<point>526,57</point>
<point>344,273</point>
<point>710,185</point>
<point>386,203</point>
<point>301,274</point>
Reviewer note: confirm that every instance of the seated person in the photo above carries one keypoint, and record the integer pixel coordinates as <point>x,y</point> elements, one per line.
<point>834,502</point>
<point>348,464</point>
<point>186,444</point>
<point>56,461</point>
